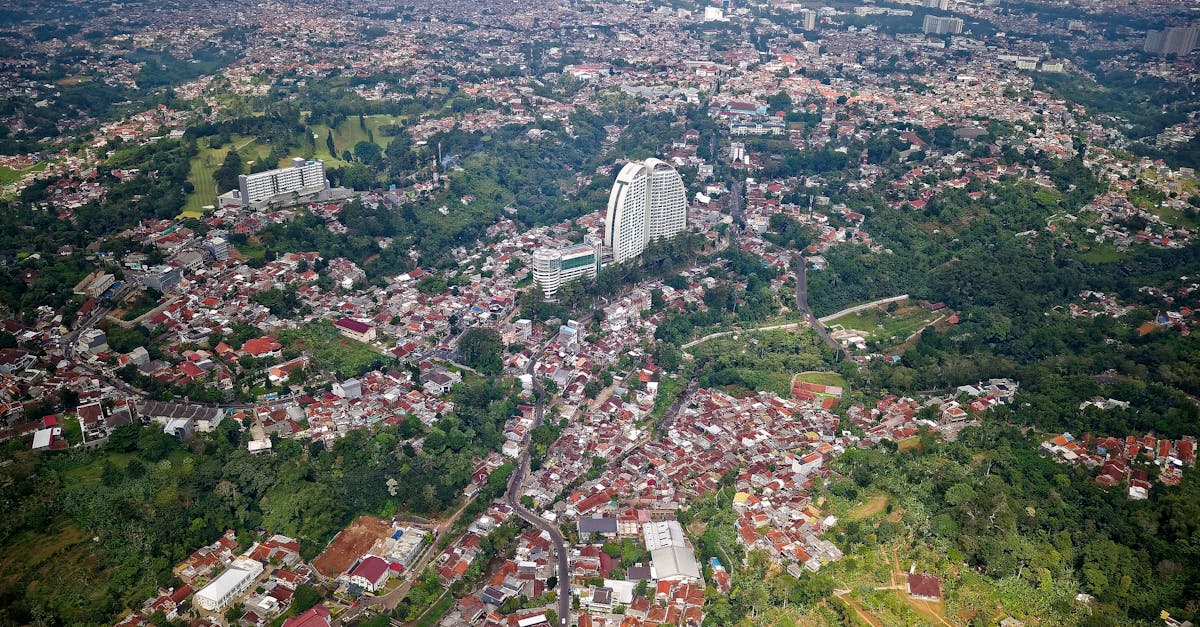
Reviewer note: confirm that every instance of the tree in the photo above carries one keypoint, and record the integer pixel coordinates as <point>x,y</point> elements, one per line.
<point>482,349</point>
<point>226,176</point>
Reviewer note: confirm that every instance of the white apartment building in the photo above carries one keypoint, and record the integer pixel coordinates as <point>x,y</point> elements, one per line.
<point>647,202</point>
<point>302,177</point>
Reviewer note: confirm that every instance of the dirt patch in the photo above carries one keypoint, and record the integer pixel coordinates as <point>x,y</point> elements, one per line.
<point>872,506</point>
<point>350,544</point>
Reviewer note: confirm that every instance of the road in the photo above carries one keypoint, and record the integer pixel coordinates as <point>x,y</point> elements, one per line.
<point>858,308</point>
<point>516,483</point>
<point>802,305</point>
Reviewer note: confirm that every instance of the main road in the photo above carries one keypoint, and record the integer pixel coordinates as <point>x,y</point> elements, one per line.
<point>516,483</point>
<point>802,304</point>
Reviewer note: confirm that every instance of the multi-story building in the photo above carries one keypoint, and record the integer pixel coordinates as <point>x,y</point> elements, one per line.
<point>647,202</point>
<point>218,247</point>
<point>935,25</point>
<point>555,267</point>
<point>1177,40</point>
<point>808,19</point>
<point>302,177</point>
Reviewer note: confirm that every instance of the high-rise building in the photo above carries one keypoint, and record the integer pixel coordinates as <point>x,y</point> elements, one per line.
<point>808,19</point>
<point>555,267</point>
<point>302,177</point>
<point>647,202</point>
<point>934,25</point>
<point>1177,40</point>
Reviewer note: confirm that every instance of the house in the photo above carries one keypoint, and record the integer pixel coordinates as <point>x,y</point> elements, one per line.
<point>926,587</point>
<point>355,330</point>
<point>590,526</point>
<point>318,616</point>
<point>266,346</point>
<point>370,574</point>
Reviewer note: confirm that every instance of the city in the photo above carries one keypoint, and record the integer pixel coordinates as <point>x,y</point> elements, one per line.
<point>600,313</point>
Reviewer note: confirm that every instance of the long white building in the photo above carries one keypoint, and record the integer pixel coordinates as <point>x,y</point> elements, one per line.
<point>647,202</point>
<point>302,177</point>
<point>555,267</point>
<point>229,585</point>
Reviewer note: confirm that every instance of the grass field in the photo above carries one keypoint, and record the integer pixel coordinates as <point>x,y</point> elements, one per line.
<point>347,134</point>
<point>879,325</point>
<point>875,504</point>
<point>1101,253</point>
<point>822,378</point>
<point>8,176</point>
<point>207,162</point>
<point>330,350</point>
<point>1174,218</point>
<point>57,566</point>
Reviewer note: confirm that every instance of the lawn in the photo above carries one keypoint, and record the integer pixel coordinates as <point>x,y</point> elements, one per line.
<point>201,174</point>
<point>8,176</point>
<point>1101,253</point>
<point>823,378</point>
<point>331,351</point>
<point>879,325</point>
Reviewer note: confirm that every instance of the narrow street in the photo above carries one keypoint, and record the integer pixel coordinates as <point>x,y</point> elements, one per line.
<point>515,485</point>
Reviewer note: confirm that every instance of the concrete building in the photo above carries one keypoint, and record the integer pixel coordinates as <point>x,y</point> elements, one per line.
<point>302,177</point>
<point>218,247</point>
<point>647,202</point>
<point>934,25</point>
<point>808,19</point>
<point>1177,40</point>
<point>163,278</point>
<point>229,585</point>
<point>555,267</point>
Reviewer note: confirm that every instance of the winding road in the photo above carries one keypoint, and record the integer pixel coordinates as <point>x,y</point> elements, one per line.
<point>515,484</point>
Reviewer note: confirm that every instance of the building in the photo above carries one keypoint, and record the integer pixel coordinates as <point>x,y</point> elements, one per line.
<point>318,616</point>
<point>371,574</point>
<point>555,267</point>
<point>647,202</point>
<point>1177,40</point>
<point>924,586</point>
<point>218,247</point>
<point>302,177</point>
<point>590,526</point>
<point>229,585</point>
<point>808,19</point>
<point>935,25</point>
<point>355,330</point>
<point>101,285</point>
<point>163,278</point>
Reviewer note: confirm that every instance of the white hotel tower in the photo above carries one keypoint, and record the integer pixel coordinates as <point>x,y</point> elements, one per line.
<point>647,202</point>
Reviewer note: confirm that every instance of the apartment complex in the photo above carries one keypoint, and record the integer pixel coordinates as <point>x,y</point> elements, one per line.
<point>302,177</point>
<point>647,202</point>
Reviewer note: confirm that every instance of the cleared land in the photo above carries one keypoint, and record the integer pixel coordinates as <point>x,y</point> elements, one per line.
<point>330,350</point>
<point>875,504</point>
<point>349,545</point>
<point>876,324</point>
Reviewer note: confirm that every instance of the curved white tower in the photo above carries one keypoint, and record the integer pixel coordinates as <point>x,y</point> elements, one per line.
<point>647,202</point>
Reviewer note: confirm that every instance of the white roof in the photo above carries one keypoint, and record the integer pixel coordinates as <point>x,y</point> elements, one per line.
<point>224,583</point>
<point>43,437</point>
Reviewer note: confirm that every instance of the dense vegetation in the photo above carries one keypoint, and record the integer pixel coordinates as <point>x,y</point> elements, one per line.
<point>150,500</point>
